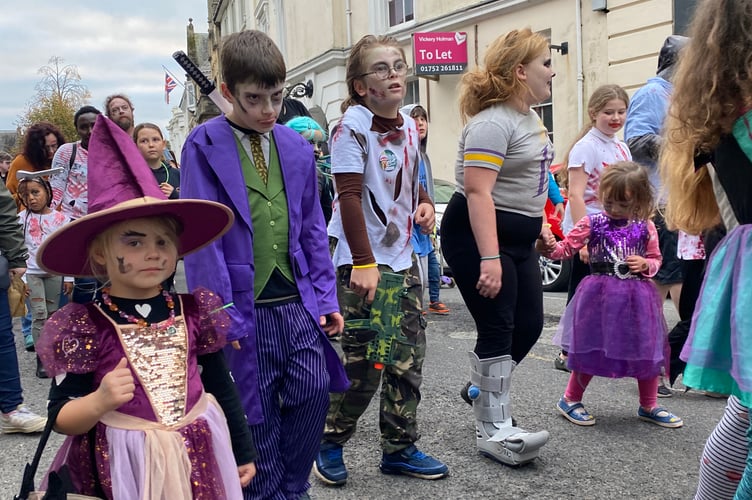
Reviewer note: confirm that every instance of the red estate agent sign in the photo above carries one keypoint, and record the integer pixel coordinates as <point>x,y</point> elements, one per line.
<point>440,53</point>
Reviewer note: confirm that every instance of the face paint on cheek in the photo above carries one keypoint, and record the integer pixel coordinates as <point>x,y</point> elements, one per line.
<point>122,267</point>
<point>240,105</point>
<point>376,94</point>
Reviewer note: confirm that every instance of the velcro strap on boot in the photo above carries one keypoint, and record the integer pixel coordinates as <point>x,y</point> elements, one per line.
<point>488,413</point>
<point>485,383</point>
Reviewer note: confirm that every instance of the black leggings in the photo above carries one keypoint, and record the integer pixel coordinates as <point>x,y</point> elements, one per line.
<point>511,322</point>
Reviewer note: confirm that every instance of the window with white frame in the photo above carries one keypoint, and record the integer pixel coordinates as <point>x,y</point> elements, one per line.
<point>546,112</point>
<point>546,109</point>
<point>412,94</point>
<point>400,11</point>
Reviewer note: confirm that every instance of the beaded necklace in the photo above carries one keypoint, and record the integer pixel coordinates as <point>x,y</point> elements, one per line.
<point>131,318</point>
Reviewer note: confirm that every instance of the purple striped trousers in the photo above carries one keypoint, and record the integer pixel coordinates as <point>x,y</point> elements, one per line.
<point>294,386</point>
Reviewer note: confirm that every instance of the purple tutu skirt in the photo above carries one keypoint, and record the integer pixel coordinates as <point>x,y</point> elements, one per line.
<point>614,328</point>
<point>122,470</point>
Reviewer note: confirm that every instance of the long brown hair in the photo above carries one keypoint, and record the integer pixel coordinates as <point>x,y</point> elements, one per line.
<point>713,87</point>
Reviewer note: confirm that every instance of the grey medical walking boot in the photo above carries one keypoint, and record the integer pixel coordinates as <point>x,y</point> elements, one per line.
<point>496,436</point>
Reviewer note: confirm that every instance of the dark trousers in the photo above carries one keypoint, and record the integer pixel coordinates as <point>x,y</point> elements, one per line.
<point>579,270</point>
<point>511,322</point>
<point>10,379</point>
<point>693,272</point>
<point>84,290</point>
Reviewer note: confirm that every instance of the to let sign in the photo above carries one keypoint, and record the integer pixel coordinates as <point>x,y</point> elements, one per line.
<point>440,53</point>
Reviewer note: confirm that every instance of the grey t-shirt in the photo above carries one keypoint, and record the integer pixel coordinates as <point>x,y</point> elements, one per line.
<point>514,144</point>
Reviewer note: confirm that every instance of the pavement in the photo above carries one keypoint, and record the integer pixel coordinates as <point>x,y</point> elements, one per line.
<point>619,457</point>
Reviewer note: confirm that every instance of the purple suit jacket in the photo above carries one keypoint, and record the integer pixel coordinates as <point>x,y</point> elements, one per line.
<point>211,170</point>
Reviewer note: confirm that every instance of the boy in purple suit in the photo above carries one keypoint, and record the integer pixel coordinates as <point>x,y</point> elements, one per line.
<point>272,267</point>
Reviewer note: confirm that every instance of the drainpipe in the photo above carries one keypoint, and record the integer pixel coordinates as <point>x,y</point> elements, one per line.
<point>348,16</point>
<point>580,76</point>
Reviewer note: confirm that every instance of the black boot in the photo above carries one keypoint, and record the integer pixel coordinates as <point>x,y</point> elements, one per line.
<point>41,372</point>
<point>464,395</point>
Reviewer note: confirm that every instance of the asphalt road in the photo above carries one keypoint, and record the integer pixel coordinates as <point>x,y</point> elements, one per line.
<point>619,457</point>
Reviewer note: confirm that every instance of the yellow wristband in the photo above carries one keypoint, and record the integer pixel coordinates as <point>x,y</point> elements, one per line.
<point>366,266</point>
<point>546,225</point>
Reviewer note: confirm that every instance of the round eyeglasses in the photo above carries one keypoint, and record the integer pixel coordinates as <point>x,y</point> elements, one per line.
<point>384,71</point>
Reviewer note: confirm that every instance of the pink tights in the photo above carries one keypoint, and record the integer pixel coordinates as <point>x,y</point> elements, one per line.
<point>579,381</point>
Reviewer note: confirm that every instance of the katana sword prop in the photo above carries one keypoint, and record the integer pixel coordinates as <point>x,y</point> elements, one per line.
<point>204,84</point>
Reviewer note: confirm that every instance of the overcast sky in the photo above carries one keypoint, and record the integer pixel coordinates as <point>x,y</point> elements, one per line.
<point>117,47</point>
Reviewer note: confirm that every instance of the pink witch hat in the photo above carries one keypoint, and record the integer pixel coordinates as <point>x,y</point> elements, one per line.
<point>122,187</point>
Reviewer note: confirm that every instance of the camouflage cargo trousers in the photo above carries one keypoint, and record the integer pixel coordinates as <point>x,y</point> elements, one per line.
<point>400,383</point>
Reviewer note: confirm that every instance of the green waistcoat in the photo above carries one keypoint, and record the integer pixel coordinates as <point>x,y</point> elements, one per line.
<point>269,217</point>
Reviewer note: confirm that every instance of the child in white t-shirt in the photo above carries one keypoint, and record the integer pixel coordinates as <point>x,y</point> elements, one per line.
<point>39,221</point>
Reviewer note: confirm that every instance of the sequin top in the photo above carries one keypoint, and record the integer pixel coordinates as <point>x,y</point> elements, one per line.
<point>612,240</point>
<point>83,339</point>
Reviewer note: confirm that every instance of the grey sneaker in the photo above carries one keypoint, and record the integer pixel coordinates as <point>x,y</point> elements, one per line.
<point>561,363</point>
<point>664,392</point>
<point>21,420</point>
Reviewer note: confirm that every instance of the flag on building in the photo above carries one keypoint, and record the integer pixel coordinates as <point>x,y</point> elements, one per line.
<point>169,85</point>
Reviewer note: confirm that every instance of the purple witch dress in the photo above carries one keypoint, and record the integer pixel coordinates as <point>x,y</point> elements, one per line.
<point>614,324</point>
<point>171,440</point>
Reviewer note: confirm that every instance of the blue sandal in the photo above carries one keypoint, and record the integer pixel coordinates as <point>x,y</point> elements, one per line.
<point>575,413</point>
<point>668,419</point>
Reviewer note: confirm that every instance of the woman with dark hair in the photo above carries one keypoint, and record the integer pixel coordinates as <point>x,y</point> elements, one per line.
<point>40,144</point>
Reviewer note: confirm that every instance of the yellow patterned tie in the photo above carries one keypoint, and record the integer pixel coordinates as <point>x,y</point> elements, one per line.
<point>258,157</point>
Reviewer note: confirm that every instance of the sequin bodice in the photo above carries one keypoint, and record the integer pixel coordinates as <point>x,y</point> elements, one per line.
<point>614,240</point>
<point>158,355</point>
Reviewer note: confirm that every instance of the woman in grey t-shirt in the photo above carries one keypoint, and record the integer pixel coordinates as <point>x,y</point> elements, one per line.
<point>491,224</point>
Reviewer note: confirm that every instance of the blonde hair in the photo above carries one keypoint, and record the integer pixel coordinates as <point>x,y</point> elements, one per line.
<point>628,181</point>
<point>356,64</point>
<point>598,100</point>
<point>100,244</point>
<point>496,81</point>
<point>712,89</point>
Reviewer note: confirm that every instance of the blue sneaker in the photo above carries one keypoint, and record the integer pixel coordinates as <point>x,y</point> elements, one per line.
<point>413,462</point>
<point>329,466</point>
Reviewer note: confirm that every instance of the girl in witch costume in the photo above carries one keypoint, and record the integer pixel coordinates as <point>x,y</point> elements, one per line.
<point>141,386</point>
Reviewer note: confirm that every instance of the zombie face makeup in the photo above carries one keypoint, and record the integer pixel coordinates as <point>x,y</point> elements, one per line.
<point>382,85</point>
<point>253,106</point>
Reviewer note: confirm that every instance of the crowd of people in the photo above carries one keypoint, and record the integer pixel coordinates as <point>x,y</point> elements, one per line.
<point>235,390</point>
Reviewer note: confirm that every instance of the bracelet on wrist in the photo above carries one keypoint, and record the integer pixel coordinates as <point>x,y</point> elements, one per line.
<point>365,266</point>
<point>547,225</point>
<point>491,257</point>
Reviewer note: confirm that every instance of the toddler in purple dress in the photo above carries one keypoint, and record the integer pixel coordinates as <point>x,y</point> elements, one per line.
<point>614,325</point>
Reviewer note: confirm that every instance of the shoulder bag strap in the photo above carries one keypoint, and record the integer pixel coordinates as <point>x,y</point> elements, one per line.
<point>27,483</point>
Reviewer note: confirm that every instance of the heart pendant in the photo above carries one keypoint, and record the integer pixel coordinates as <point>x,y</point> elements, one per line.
<point>143,310</point>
